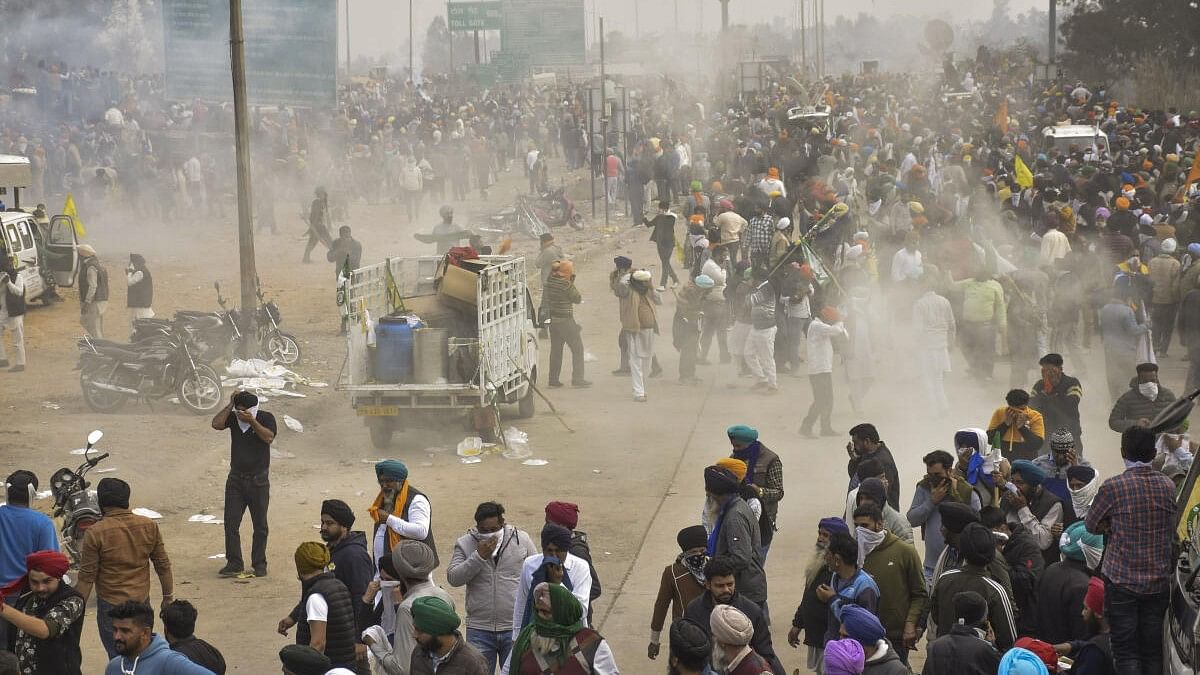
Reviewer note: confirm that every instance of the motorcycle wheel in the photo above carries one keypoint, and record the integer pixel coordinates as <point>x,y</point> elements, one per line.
<point>99,400</point>
<point>576,221</point>
<point>284,348</point>
<point>201,392</point>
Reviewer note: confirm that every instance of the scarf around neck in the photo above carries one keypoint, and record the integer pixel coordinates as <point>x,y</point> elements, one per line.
<point>694,564</point>
<point>245,426</point>
<point>1081,499</point>
<point>715,535</point>
<point>380,518</point>
<point>749,454</point>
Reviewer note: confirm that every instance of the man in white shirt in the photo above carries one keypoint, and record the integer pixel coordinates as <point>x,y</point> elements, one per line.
<point>12,317</point>
<point>414,562</point>
<point>821,331</point>
<point>553,563</point>
<point>400,511</point>
<point>1055,245</point>
<point>934,327</point>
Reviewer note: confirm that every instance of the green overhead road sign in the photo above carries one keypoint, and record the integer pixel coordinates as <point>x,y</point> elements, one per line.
<point>468,16</point>
<point>547,32</point>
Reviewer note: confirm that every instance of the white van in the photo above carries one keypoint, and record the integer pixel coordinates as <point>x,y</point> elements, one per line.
<point>1080,136</point>
<point>38,252</point>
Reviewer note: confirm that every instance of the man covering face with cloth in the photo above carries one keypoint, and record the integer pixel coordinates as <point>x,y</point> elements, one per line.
<point>400,511</point>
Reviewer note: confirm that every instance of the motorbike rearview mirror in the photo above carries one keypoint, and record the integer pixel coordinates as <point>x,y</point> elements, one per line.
<point>94,437</point>
<point>1175,414</point>
<point>217,285</point>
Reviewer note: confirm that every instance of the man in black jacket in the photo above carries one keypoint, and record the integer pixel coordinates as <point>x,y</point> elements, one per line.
<point>967,648</point>
<point>720,584</point>
<point>566,514</point>
<point>1025,562</point>
<point>1056,396</point>
<point>865,444</point>
<point>350,561</point>
<point>327,622</point>
<point>179,630</point>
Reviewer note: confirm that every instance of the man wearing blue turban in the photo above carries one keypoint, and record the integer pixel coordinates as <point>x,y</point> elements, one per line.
<point>400,511</point>
<point>1037,509</point>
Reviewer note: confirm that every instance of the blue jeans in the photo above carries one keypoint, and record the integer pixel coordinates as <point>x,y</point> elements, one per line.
<point>1137,625</point>
<point>494,646</point>
<point>105,625</point>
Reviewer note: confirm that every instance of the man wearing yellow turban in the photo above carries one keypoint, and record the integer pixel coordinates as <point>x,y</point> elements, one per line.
<point>327,620</point>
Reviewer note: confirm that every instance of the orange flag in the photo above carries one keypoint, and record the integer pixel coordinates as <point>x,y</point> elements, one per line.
<point>1193,175</point>
<point>1002,116</point>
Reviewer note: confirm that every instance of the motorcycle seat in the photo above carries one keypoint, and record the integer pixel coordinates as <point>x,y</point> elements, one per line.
<point>116,350</point>
<point>192,314</point>
<point>202,322</point>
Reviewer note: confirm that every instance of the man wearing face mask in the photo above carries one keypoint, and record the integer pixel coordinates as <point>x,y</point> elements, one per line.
<point>812,616</point>
<point>1144,400</point>
<point>249,484</point>
<point>140,296</point>
<point>487,560</point>
<point>896,568</point>
<point>682,581</point>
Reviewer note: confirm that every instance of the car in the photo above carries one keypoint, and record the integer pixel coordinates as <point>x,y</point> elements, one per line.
<point>1085,137</point>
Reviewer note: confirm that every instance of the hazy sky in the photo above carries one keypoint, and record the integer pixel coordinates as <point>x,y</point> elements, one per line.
<point>380,26</point>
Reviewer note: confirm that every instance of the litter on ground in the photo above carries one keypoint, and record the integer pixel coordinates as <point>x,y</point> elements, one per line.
<point>535,462</point>
<point>147,513</point>
<point>517,442</point>
<point>471,446</point>
<point>277,453</point>
<point>51,405</point>
<point>471,460</point>
<point>293,424</point>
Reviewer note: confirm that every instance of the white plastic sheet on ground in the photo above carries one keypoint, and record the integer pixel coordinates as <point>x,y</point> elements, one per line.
<point>147,513</point>
<point>265,377</point>
<point>471,446</point>
<point>293,424</point>
<point>518,444</point>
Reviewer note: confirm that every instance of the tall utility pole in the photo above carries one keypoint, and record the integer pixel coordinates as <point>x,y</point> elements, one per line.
<point>803,47</point>
<point>604,120</point>
<point>241,130</point>
<point>347,8</point>
<point>724,15</point>
<point>412,73</point>
<point>1052,45</point>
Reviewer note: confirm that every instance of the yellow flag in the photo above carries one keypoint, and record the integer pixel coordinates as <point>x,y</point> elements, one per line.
<point>69,210</point>
<point>1023,174</point>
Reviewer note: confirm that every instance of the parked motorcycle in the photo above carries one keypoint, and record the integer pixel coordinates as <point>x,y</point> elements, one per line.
<point>278,344</point>
<point>111,373</point>
<point>78,508</point>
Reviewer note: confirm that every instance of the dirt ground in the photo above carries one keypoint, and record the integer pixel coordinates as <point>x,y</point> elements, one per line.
<point>635,469</point>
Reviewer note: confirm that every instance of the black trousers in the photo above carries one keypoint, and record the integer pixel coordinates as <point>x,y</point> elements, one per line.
<point>822,405</point>
<point>246,491</point>
<point>564,332</point>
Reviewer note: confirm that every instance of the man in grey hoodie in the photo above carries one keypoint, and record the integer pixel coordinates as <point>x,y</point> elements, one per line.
<point>487,560</point>
<point>140,649</point>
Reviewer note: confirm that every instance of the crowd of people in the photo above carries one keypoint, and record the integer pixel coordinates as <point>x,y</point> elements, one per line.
<point>800,230</point>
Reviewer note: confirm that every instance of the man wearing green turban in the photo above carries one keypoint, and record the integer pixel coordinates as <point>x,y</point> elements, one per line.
<point>435,628</point>
<point>559,640</point>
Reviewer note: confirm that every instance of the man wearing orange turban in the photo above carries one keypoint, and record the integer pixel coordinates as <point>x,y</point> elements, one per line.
<point>47,616</point>
<point>559,297</point>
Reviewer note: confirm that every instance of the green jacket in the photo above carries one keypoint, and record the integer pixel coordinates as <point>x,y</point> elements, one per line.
<point>559,296</point>
<point>897,570</point>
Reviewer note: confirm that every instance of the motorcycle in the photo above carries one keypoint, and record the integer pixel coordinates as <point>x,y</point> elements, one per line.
<point>78,508</point>
<point>111,373</point>
<point>553,208</point>
<point>278,344</point>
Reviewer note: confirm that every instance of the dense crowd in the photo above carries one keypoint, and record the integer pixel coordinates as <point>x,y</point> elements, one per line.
<point>941,208</point>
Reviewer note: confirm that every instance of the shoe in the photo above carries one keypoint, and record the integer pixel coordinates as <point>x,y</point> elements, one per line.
<point>554,385</point>
<point>621,371</point>
<point>690,381</point>
<point>582,384</point>
<point>807,433</point>
<point>260,571</point>
<point>657,372</point>
<point>229,571</point>
<point>639,399</point>
<point>17,369</point>
<point>771,390</point>
<point>662,289</point>
<point>829,432</point>
<point>758,386</point>
<point>703,362</point>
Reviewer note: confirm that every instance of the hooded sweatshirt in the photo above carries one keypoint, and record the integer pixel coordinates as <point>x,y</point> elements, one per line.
<point>491,584</point>
<point>156,659</point>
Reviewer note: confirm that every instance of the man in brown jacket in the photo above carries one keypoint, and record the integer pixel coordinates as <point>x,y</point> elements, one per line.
<point>117,553</point>
<point>682,581</point>
<point>435,626</point>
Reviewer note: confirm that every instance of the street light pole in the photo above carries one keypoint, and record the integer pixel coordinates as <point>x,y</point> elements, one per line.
<point>1052,46</point>
<point>412,73</point>
<point>241,128</point>
<point>347,8</point>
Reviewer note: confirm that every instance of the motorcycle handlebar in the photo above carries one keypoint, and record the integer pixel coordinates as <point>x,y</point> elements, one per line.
<point>96,460</point>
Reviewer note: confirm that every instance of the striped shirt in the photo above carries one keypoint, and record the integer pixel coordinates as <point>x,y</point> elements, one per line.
<point>1138,510</point>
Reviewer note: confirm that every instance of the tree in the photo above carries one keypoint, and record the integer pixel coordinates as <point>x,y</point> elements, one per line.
<point>1111,35</point>
<point>436,56</point>
<point>124,36</point>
